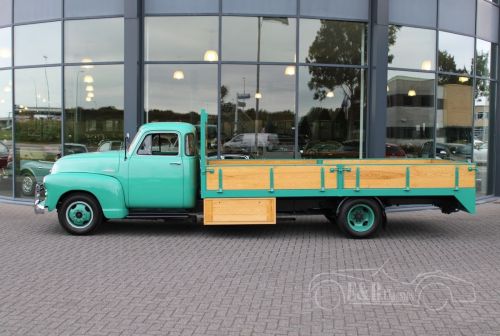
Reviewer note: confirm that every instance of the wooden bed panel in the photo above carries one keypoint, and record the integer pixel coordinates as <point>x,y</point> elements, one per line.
<point>239,211</point>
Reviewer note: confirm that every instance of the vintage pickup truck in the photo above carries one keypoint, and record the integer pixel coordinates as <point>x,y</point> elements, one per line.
<point>162,175</point>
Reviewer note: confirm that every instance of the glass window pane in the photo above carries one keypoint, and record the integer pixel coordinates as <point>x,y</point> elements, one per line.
<point>454,118</point>
<point>6,133</point>
<point>484,107</point>
<point>38,125</point>
<point>5,47</point>
<point>410,113</point>
<point>485,58</point>
<point>332,42</point>
<point>94,108</point>
<point>75,8</point>
<point>181,6</point>
<point>240,39</point>
<point>456,53</point>
<point>99,40</point>
<point>37,44</point>
<point>279,7</point>
<point>258,111</point>
<point>6,12</point>
<point>36,10</point>
<point>331,107</point>
<point>182,38</point>
<point>402,51</point>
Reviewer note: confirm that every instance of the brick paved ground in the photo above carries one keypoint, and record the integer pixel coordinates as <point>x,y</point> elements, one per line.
<point>178,278</point>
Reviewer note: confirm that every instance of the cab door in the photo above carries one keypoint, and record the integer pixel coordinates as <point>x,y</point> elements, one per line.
<point>156,174</point>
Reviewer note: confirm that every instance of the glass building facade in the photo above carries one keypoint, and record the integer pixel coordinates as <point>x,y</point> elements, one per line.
<point>280,79</point>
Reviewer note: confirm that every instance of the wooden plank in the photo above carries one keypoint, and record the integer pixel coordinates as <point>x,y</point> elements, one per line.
<point>376,177</point>
<point>261,162</point>
<point>239,211</point>
<point>239,178</point>
<point>467,179</point>
<point>388,162</point>
<point>432,176</point>
<point>299,177</point>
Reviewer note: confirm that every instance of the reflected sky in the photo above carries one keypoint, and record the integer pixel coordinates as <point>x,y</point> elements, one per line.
<point>38,43</point>
<point>99,40</point>
<point>5,94</point>
<point>404,51</point>
<point>107,86</point>
<point>38,87</point>
<point>5,47</point>
<point>180,38</point>
<point>460,47</point>
<point>197,89</point>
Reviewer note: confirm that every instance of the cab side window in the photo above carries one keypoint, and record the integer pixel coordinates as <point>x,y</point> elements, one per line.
<point>190,144</point>
<point>160,144</point>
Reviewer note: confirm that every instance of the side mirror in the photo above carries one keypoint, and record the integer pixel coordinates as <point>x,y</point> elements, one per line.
<point>125,142</point>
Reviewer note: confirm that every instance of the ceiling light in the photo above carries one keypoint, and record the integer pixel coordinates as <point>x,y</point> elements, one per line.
<point>89,88</point>
<point>330,94</point>
<point>88,79</point>
<point>2,101</point>
<point>258,95</point>
<point>90,95</point>
<point>290,70</point>
<point>412,93</point>
<point>210,56</point>
<point>88,99</point>
<point>178,75</point>
<point>463,79</point>
<point>426,65</point>
<point>87,60</point>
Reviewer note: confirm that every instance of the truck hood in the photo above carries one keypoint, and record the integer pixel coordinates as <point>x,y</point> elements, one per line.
<point>106,163</point>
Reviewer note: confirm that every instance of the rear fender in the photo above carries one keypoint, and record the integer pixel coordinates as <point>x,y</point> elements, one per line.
<point>106,189</point>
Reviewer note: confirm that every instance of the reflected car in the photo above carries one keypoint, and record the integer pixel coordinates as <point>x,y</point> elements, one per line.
<point>481,154</point>
<point>245,143</point>
<point>5,155</point>
<point>109,145</point>
<point>348,149</point>
<point>447,151</point>
<point>33,171</point>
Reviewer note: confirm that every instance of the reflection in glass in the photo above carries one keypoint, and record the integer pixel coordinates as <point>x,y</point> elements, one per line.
<point>454,118</point>
<point>258,113</point>
<point>38,125</point>
<point>37,10</point>
<point>332,42</point>
<point>5,47</point>
<point>331,108</point>
<point>75,8</point>
<point>402,51</point>
<point>410,111</point>
<point>456,53</point>
<point>181,38</point>
<point>37,44</point>
<point>484,107</point>
<point>99,40</point>
<point>5,133</point>
<point>94,108</point>
<point>267,39</point>
<point>486,55</point>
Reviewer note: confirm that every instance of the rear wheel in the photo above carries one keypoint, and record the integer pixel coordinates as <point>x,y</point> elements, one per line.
<point>80,214</point>
<point>360,217</point>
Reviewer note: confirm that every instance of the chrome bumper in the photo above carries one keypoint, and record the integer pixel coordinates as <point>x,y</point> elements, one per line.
<point>39,205</point>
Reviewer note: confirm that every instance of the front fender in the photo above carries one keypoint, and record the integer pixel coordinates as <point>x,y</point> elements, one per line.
<point>106,189</point>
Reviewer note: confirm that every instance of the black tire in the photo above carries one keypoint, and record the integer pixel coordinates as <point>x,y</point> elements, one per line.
<point>80,214</point>
<point>28,184</point>
<point>360,217</point>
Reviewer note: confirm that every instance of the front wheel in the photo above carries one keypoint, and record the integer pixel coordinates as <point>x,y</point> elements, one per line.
<point>80,214</point>
<point>360,217</point>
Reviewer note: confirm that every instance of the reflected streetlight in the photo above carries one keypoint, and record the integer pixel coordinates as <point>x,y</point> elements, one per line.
<point>210,56</point>
<point>87,60</point>
<point>88,79</point>
<point>426,65</point>
<point>290,70</point>
<point>330,94</point>
<point>463,79</point>
<point>412,93</point>
<point>258,95</point>
<point>89,88</point>
<point>178,75</point>
<point>90,95</point>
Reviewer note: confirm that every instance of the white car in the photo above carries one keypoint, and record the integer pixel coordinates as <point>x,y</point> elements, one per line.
<point>481,154</point>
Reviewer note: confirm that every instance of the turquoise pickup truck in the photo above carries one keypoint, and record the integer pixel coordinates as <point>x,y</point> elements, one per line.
<point>162,175</point>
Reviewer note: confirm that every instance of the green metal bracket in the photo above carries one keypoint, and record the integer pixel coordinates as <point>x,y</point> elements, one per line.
<point>472,168</point>
<point>407,188</point>
<point>220,181</point>
<point>208,170</point>
<point>271,180</point>
<point>322,178</point>
<point>457,177</point>
<point>357,179</point>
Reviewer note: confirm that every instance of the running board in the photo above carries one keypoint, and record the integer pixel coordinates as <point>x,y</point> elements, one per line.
<point>159,216</point>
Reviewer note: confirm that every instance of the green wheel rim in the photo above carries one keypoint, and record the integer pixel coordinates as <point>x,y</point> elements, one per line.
<point>79,214</point>
<point>361,218</point>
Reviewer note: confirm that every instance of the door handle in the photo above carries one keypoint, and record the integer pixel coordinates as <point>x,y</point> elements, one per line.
<point>176,163</point>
